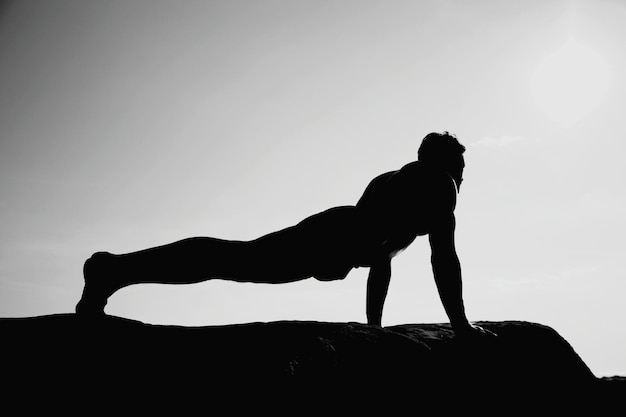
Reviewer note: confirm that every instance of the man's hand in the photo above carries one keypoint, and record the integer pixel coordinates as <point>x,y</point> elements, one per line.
<point>473,332</point>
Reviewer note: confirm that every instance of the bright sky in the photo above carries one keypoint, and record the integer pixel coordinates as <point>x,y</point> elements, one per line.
<point>125,125</point>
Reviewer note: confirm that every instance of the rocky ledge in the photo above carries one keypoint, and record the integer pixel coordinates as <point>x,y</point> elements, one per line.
<point>114,362</point>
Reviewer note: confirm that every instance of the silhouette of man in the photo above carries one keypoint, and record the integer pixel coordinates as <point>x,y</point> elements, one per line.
<point>417,200</point>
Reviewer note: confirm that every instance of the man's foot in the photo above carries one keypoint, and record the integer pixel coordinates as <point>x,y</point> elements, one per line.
<point>99,285</point>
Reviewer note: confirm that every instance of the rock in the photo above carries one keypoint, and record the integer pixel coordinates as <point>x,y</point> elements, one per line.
<point>114,361</point>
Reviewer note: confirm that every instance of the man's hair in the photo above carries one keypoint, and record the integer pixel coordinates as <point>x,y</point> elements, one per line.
<point>439,147</point>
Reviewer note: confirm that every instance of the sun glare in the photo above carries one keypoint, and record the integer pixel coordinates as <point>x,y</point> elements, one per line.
<point>570,83</point>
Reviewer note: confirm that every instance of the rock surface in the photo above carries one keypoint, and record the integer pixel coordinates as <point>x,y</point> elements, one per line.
<point>114,362</point>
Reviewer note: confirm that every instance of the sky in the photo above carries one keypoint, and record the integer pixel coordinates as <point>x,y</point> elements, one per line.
<point>131,124</point>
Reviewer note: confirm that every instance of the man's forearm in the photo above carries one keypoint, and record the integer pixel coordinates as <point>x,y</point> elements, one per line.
<point>447,274</point>
<point>377,286</point>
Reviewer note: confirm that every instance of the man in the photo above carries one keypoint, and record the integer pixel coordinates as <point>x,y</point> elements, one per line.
<point>396,207</point>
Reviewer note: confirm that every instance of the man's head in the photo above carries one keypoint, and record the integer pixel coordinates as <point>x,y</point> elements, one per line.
<point>443,150</point>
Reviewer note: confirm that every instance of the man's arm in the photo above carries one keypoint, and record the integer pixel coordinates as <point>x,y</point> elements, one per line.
<point>377,285</point>
<point>447,271</point>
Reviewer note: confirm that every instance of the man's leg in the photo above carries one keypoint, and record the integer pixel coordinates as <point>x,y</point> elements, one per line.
<point>190,261</point>
<point>183,262</point>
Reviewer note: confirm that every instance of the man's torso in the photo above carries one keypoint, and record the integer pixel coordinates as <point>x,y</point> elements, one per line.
<point>398,206</point>
<point>395,208</point>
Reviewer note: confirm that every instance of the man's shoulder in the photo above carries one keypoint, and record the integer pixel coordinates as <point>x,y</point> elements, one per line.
<point>411,170</point>
<point>419,172</point>
<point>414,165</point>
<point>430,182</point>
